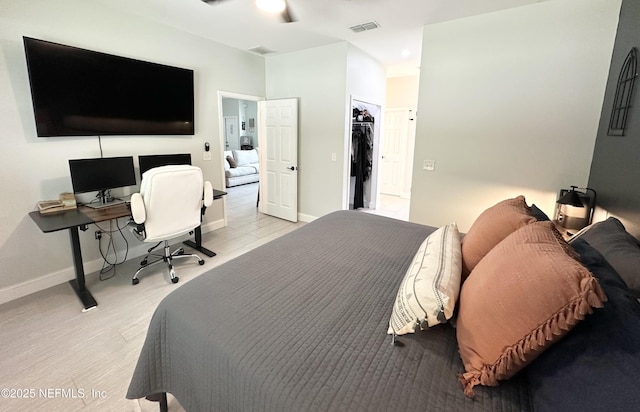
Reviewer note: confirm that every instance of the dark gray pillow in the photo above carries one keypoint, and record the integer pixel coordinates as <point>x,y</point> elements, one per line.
<point>537,213</point>
<point>596,366</point>
<point>619,248</point>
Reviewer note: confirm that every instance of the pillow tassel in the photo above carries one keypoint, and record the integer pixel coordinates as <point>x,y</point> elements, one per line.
<point>540,337</point>
<point>520,352</point>
<point>468,381</point>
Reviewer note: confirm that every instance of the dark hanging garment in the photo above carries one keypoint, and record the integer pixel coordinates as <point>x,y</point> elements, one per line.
<point>361,161</point>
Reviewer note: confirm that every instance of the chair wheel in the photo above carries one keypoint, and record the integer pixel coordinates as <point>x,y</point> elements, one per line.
<point>175,280</point>
<point>135,281</point>
<point>201,262</point>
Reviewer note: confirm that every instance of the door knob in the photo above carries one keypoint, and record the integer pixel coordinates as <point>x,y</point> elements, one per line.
<point>292,168</point>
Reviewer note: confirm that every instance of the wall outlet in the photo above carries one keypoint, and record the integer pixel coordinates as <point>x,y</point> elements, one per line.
<point>333,157</point>
<point>206,155</point>
<point>429,165</point>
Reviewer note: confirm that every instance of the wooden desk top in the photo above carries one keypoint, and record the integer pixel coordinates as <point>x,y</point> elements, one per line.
<point>106,213</point>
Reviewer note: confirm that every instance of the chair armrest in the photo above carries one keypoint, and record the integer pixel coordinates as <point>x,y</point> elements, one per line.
<point>208,194</point>
<point>137,208</point>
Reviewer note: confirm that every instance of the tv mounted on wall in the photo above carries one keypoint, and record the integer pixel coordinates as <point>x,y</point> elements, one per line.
<point>78,92</point>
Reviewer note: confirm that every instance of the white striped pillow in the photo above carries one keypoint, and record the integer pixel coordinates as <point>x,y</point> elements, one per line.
<point>429,291</point>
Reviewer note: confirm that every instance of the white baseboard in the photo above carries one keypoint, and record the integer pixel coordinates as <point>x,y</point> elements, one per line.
<point>48,280</point>
<point>306,218</point>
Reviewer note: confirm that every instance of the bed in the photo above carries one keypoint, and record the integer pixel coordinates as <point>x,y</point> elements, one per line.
<point>303,324</point>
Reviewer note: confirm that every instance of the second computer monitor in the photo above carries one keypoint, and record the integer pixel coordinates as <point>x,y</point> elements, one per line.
<point>150,161</point>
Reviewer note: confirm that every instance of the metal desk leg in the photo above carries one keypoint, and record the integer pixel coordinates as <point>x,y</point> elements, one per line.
<point>78,284</point>
<point>197,245</point>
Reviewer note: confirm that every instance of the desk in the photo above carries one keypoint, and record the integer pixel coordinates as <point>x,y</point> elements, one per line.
<point>80,218</point>
<point>73,220</point>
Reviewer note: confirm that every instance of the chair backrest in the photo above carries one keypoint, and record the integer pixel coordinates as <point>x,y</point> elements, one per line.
<point>173,199</point>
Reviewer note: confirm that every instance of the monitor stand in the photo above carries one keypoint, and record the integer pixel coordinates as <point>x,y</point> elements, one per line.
<point>106,200</point>
<point>100,205</point>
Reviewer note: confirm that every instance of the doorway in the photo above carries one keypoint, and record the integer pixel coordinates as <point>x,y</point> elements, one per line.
<point>364,152</point>
<point>238,118</point>
<point>398,139</point>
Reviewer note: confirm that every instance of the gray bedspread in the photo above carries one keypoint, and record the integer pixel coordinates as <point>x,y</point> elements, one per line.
<point>300,323</point>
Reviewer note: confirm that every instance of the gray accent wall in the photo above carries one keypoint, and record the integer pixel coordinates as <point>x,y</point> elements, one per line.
<point>615,168</point>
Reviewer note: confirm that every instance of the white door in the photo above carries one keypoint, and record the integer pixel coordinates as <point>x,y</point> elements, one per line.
<point>279,158</point>
<point>394,151</point>
<point>232,141</point>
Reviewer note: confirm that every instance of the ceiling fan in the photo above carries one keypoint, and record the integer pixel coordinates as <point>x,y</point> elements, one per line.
<point>271,6</point>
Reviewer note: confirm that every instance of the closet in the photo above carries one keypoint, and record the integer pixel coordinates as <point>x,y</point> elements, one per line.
<point>363,153</point>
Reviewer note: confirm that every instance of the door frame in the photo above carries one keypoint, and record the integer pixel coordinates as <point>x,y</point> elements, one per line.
<point>221,132</point>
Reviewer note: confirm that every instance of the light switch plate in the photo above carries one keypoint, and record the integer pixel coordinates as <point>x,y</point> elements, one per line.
<point>429,165</point>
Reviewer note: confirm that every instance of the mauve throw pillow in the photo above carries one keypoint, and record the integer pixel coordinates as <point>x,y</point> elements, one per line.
<point>523,296</point>
<point>493,225</point>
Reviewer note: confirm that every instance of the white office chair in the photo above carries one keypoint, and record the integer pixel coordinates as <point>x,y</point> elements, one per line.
<point>169,205</point>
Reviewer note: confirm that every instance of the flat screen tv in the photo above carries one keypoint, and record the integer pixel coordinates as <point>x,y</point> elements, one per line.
<point>78,92</point>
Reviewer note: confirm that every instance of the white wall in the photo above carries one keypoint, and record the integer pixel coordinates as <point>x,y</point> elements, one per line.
<point>324,79</point>
<point>36,168</point>
<point>317,77</point>
<point>509,104</point>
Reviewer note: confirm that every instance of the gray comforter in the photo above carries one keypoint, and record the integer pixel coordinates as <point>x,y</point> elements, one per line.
<point>300,324</point>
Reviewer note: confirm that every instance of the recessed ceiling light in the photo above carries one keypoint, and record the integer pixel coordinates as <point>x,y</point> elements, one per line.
<point>406,53</point>
<point>271,6</point>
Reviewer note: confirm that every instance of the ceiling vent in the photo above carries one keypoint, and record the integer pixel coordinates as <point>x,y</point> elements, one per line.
<point>370,25</point>
<point>261,50</point>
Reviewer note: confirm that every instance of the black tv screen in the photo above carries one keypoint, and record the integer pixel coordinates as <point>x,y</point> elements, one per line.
<point>103,173</point>
<point>78,92</point>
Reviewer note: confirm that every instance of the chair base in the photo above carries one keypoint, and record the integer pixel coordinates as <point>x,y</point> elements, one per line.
<point>166,257</point>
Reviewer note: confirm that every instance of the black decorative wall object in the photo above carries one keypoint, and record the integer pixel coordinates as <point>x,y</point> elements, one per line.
<point>624,91</point>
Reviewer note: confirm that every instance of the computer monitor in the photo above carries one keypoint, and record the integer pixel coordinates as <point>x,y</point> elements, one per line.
<point>150,161</point>
<point>102,174</point>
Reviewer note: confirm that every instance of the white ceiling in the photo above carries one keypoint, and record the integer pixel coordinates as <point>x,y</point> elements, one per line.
<point>239,24</point>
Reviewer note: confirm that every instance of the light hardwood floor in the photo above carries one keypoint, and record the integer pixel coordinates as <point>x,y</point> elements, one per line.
<point>61,359</point>
<point>391,206</point>
<point>56,358</point>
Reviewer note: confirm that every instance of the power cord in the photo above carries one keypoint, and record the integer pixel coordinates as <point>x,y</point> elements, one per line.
<point>111,246</point>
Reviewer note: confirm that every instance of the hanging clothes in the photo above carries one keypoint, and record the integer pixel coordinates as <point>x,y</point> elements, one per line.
<point>361,159</point>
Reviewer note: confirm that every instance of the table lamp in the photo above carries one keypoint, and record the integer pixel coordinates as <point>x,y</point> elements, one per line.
<point>575,207</point>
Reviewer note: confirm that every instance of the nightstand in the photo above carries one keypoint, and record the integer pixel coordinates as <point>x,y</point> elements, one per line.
<point>566,233</point>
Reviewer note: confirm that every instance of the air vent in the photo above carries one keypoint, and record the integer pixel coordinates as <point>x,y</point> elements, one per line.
<point>370,25</point>
<point>261,50</point>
